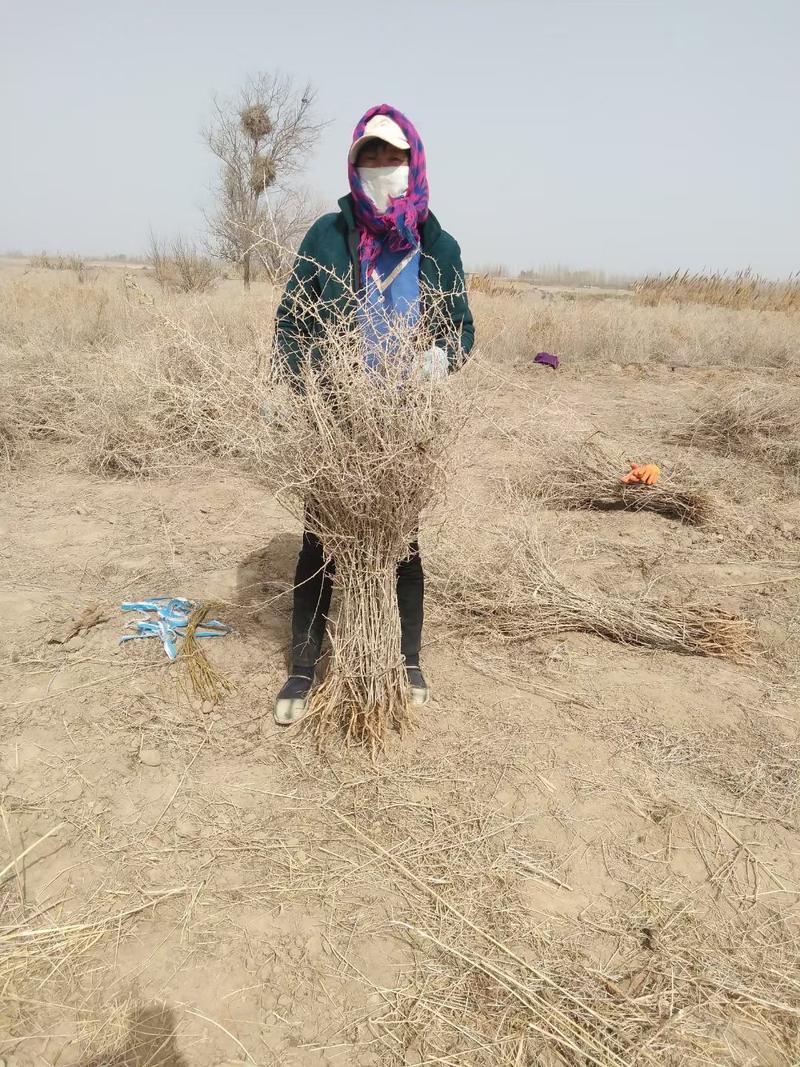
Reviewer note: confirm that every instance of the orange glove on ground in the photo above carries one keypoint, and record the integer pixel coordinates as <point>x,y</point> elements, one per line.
<point>644,475</point>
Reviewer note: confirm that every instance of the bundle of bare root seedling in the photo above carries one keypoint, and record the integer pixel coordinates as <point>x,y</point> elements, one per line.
<point>358,451</point>
<point>588,477</point>
<point>526,598</point>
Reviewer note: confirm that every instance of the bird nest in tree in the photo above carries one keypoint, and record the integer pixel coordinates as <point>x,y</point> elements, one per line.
<point>263,173</point>
<point>256,122</point>
<point>358,454</point>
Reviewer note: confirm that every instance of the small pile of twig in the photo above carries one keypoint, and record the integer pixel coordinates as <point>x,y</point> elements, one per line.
<point>523,597</point>
<point>589,478</point>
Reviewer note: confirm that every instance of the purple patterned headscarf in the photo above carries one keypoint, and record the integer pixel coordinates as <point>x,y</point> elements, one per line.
<point>400,223</point>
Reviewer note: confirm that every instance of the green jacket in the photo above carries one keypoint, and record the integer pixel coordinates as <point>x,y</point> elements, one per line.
<point>327,274</point>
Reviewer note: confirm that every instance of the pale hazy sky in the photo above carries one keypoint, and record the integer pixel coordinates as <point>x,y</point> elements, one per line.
<point>623,135</point>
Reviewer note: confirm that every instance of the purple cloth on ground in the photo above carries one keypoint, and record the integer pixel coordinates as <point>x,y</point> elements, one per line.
<point>547,359</point>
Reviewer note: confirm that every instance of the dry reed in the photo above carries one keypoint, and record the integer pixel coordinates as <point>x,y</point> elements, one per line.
<point>492,285</point>
<point>741,290</point>
<point>621,331</point>
<point>46,261</point>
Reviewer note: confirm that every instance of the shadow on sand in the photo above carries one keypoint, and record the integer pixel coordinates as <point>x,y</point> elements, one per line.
<point>149,1041</point>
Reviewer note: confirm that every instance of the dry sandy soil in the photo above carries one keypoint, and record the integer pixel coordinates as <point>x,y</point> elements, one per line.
<point>584,853</point>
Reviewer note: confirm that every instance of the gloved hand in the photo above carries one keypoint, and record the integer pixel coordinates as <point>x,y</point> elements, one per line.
<point>435,364</point>
<point>648,474</point>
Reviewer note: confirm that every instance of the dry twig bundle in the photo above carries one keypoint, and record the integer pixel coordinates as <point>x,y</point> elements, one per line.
<point>359,453</point>
<point>527,598</point>
<point>589,478</point>
<point>205,681</point>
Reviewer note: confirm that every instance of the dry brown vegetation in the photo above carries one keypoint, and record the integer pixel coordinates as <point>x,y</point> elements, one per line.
<point>180,267</point>
<point>585,852</point>
<point>576,473</point>
<point>358,458</point>
<point>622,333</point>
<point>742,290</point>
<point>491,284</point>
<point>524,597</point>
<point>47,261</point>
<point>761,421</point>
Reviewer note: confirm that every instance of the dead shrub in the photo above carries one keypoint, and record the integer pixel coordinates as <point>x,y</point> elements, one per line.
<point>181,268</point>
<point>753,421</point>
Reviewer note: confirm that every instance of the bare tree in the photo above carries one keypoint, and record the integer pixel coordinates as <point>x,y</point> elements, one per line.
<point>286,215</point>
<point>262,137</point>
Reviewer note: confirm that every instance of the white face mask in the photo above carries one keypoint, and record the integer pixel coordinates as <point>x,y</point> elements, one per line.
<point>382,182</point>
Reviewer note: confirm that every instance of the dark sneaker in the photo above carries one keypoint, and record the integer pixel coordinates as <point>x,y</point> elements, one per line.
<point>292,701</point>
<point>420,693</point>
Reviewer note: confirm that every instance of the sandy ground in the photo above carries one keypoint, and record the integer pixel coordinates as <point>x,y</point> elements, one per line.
<point>225,893</point>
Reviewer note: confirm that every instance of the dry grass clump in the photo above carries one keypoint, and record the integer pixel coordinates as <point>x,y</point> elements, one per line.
<point>207,684</point>
<point>358,454</point>
<point>138,386</point>
<point>741,290</point>
<point>587,477</point>
<point>524,597</point>
<point>9,436</point>
<point>754,421</point>
<point>38,315</point>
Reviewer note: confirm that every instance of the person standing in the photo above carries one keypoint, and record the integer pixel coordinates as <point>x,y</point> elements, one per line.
<point>387,248</point>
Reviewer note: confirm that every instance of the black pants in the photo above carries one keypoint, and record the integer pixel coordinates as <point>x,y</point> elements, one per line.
<point>312,600</point>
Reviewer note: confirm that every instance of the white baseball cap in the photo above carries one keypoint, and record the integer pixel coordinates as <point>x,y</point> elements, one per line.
<point>385,129</point>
